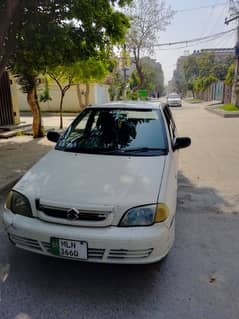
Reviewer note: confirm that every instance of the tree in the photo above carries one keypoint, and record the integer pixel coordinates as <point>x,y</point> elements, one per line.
<point>15,14</point>
<point>87,71</point>
<point>230,75</point>
<point>92,70</point>
<point>203,68</point>
<point>191,68</point>
<point>64,77</point>
<point>148,18</point>
<point>153,76</point>
<point>116,82</point>
<point>53,33</point>
<point>179,78</point>
<point>9,18</point>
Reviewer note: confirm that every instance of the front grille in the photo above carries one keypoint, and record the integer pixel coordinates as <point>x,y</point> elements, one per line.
<point>93,253</point>
<point>62,213</point>
<point>25,242</point>
<point>129,254</point>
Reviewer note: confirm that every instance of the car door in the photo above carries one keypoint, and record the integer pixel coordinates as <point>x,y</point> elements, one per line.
<point>171,168</point>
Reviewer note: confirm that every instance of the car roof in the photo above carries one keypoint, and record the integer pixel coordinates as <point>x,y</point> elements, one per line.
<point>130,105</point>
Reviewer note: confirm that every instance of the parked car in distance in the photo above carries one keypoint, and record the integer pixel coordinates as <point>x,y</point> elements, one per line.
<point>107,192</point>
<point>174,99</point>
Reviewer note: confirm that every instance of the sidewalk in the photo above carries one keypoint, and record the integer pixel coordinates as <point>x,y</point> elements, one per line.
<point>49,120</point>
<point>17,155</point>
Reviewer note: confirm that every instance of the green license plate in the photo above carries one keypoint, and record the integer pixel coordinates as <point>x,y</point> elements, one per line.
<point>69,248</point>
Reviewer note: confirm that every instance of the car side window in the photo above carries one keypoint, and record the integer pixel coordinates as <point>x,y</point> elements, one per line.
<point>170,123</point>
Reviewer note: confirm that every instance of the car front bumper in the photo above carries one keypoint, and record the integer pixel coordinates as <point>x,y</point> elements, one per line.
<point>134,245</point>
<point>175,104</point>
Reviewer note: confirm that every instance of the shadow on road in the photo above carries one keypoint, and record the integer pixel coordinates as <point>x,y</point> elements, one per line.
<point>104,290</point>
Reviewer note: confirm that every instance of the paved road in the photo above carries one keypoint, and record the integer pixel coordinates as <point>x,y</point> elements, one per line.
<point>198,280</point>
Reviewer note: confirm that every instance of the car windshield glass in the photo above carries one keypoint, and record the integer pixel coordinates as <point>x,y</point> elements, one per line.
<point>116,131</point>
<point>174,96</point>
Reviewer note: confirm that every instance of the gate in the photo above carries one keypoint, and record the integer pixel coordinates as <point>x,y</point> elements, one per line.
<point>6,110</point>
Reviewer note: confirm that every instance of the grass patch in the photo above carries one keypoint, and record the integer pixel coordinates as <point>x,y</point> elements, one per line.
<point>229,108</point>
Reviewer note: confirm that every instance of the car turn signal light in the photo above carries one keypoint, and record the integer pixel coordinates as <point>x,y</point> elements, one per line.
<point>162,213</point>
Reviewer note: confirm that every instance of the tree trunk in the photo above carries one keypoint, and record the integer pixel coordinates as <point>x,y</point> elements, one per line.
<point>139,67</point>
<point>140,74</point>
<point>35,109</point>
<point>87,94</point>
<point>79,95</point>
<point>61,109</point>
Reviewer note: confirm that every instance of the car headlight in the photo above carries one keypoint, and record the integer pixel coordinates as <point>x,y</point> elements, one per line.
<point>18,204</point>
<point>145,215</point>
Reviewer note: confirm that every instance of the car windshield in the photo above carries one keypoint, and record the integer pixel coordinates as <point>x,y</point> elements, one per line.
<point>173,96</point>
<point>116,131</point>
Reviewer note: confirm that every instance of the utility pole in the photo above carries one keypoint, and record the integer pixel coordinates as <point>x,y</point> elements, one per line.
<point>235,17</point>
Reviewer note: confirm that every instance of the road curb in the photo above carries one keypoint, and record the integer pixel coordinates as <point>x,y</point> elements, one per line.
<point>222,113</point>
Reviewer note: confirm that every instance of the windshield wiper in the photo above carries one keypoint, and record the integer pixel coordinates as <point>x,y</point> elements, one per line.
<point>143,149</point>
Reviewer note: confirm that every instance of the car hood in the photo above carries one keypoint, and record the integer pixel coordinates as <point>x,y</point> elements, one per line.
<point>93,180</point>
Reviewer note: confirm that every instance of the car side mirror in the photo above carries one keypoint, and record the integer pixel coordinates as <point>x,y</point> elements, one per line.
<point>181,142</point>
<point>53,136</point>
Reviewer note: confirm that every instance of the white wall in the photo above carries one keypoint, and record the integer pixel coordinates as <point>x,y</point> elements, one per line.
<point>98,95</point>
<point>101,94</point>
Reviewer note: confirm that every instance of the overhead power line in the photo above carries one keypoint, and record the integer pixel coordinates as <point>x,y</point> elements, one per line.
<point>202,7</point>
<point>209,37</point>
<point>187,46</point>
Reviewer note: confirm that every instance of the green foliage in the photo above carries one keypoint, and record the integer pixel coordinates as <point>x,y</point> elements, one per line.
<point>47,37</point>
<point>82,71</point>
<point>117,86</point>
<point>153,77</point>
<point>229,108</point>
<point>57,33</point>
<point>84,27</point>
<point>190,68</point>
<point>207,81</point>
<point>132,95</point>
<point>45,96</point>
<point>134,81</point>
<point>202,69</point>
<point>230,75</point>
<point>206,64</point>
<point>200,84</point>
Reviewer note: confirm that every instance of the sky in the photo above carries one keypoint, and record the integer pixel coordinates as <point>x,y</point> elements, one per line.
<point>190,24</point>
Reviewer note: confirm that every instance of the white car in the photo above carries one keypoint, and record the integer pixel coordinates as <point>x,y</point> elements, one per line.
<point>106,193</point>
<point>174,99</point>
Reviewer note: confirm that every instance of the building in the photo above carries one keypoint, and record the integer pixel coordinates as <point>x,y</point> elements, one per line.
<point>9,112</point>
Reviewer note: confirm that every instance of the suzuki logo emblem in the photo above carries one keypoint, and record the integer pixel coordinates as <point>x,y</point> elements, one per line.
<point>73,214</point>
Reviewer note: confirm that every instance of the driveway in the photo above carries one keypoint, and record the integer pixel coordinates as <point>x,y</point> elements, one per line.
<point>198,280</point>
